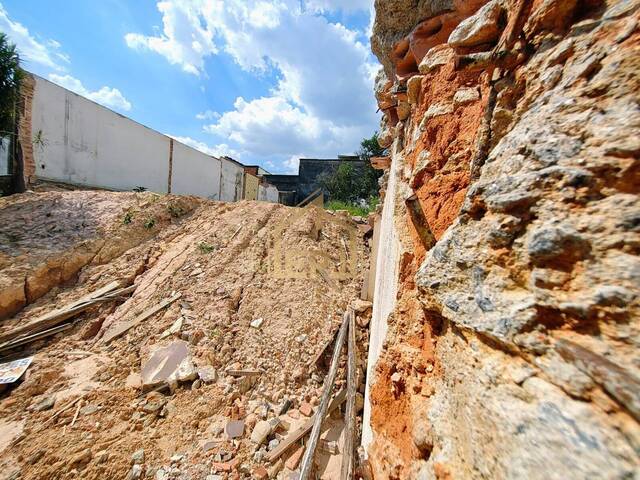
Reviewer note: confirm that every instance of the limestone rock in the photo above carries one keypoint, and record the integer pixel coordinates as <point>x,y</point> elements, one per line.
<point>436,57</point>
<point>260,432</point>
<point>413,89</point>
<point>466,95</point>
<point>482,27</point>
<point>550,15</point>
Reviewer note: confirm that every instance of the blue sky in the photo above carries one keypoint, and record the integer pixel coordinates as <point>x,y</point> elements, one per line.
<point>266,82</point>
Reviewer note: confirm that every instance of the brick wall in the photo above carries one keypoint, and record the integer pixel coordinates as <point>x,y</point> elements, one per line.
<point>25,135</point>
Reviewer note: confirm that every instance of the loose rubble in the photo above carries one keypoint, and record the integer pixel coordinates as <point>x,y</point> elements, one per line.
<point>200,388</point>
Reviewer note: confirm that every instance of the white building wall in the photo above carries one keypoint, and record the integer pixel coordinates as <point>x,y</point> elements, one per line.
<point>78,141</point>
<point>267,193</point>
<point>231,181</point>
<point>195,173</point>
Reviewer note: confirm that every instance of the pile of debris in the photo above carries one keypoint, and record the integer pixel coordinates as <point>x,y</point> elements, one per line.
<point>194,343</point>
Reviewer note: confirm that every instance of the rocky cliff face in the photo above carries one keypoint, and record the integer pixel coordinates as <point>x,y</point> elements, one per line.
<point>514,131</point>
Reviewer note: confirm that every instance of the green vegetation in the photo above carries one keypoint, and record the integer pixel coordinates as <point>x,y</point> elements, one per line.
<point>10,76</point>
<point>150,223</point>
<point>128,218</point>
<point>353,189</point>
<point>205,247</point>
<point>175,210</point>
<point>353,208</point>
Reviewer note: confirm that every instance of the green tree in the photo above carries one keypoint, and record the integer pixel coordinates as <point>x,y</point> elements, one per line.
<point>10,76</point>
<point>369,147</point>
<point>348,184</point>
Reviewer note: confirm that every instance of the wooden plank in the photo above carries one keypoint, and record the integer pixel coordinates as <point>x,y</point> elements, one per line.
<point>350,415</point>
<point>309,197</point>
<point>244,373</point>
<point>32,338</point>
<point>309,454</point>
<point>304,429</point>
<point>58,316</point>
<point>121,329</point>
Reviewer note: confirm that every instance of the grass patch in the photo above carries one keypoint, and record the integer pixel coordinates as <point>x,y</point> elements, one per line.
<point>150,223</point>
<point>205,247</point>
<point>354,209</point>
<point>128,218</point>
<point>175,210</point>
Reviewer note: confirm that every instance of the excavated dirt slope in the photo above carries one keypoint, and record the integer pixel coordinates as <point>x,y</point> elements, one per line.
<point>263,288</point>
<point>512,351</point>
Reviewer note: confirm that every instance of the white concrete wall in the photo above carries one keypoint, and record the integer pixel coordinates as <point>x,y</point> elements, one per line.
<point>78,141</point>
<point>231,181</point>
<point>385,289</point>
<point>195,173</point>
<point>267,193</point>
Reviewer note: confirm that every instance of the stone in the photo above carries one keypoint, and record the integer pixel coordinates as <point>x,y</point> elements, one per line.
<point>385,138</point>
<point>257,323</point>
<point>414,84</point>
<point>101,456</point>
<point>436,57</point>
<point>81,458</point>
<point>435,110</point>
<point>556,243</point>
<point>466,95</point>
<point>260,432</point>
<point>552,15</point>
<point>273,444</point>
<point>482,27</point>
<point>46,403</point>
<point>234,428</point>
<point>167,364</point>
<point>135,473</point>
<point>361,306</point>
<point>208,374</point>
<point>138,457</point>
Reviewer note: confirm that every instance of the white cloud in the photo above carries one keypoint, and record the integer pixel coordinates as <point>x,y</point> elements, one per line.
<point>215,151</point>
<point>322,104</point>
<point>109,97</point>
<point>30,49</point>
<point>337,5</point>
<point>208,115</point>
<point>184,41</point>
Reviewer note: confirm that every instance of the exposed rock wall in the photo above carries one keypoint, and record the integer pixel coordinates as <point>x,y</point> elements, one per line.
<point>512,348</point>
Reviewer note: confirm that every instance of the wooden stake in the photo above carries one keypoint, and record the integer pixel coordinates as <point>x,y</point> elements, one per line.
<point>75,417</point>
<point>350,414</point>
<point>309,454</point>
<point>118,330</point>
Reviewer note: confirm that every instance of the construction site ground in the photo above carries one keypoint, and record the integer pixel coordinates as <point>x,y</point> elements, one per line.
<point>252,291</point>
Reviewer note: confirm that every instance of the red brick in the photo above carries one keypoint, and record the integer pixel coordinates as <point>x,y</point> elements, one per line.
<point>306,409</point>
<point>293,461</point>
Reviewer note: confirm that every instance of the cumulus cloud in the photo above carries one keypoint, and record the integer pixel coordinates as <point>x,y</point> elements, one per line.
<point>184,41</point>
<point>208,115</point>
<point>46,53</point>
<point>219,150</point>
<point>109,97</point>
<point>337,5</point>
<point>322,103</point>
